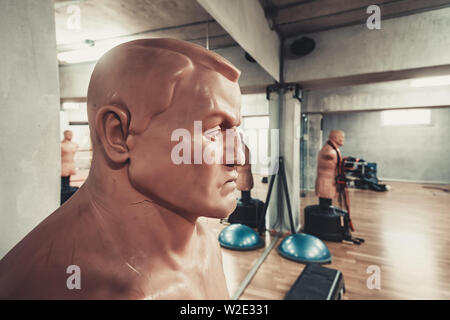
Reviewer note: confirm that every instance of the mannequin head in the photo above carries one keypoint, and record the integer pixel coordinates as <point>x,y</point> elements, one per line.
<point>337,137</point>
<point>141,92</point>
<point>67,135</point>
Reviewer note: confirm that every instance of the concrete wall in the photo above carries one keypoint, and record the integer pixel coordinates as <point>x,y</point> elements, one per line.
<point>29,118</point>
<point>313,142</point>
<point>377,96</point>
<point>253,77</point>
<point>353,54</point>
<point>415,153</point>
<point>74,79</point>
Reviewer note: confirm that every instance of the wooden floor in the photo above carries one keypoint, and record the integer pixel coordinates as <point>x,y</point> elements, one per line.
<point>407,233</point>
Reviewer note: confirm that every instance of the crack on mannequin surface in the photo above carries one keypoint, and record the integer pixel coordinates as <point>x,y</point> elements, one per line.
<point>327,168</point>
<point>133,227</point>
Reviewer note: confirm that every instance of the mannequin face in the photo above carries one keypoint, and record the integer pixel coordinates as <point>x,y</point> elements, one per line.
<point>191,190</point>
<point>338,137</point>
<point>68,135</point>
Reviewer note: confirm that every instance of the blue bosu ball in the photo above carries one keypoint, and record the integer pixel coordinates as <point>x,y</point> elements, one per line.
<point>240,237</point>
<point>304,248</point>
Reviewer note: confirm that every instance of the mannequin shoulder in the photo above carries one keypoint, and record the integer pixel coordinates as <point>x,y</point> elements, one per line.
<point>328,152</point>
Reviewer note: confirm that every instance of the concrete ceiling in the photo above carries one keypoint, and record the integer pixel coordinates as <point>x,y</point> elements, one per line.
<point>296,17</point>
<point>114,21</point>
<point>106,20</point>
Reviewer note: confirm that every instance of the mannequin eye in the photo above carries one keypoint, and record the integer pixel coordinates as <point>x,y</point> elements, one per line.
<point>213,133</point>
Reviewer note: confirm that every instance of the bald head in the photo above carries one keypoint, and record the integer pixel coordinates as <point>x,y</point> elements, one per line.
<point>337,136</point>
<point>140,77</point>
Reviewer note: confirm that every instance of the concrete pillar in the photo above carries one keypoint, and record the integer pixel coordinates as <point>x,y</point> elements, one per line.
<point>274,128</point>
<point>246,22</point>
<point>289,148</point>
<point>29,118</point>
<point>313,145</point>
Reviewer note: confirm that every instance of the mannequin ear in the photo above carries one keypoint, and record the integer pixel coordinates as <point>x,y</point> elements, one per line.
<point>112,129</point>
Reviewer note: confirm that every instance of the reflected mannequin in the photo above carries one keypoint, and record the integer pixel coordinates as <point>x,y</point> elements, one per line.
<point>245,178</point>
<point>327,168</point>
<point>68,150</point>
<point>248,211</point>
<point>132,228</point>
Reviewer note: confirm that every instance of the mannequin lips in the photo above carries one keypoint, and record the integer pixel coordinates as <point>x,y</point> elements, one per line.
<point>233,177</point>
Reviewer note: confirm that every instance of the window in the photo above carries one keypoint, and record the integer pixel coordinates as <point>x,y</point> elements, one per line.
<point>259,122</point>
<point>406,117</point>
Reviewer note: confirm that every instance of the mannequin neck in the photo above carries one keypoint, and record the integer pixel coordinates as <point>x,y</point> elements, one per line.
<point>335,144</point>
<point>141,223</point>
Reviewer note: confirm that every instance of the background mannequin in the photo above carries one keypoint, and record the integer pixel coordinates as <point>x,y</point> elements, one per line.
<point>133,227</point>
<point>248,210</point>
<point>68,150</point>
<point>244,181</point>
<point>327,168</point>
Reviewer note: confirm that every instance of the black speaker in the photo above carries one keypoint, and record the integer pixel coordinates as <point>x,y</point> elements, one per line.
<point>303,46</point>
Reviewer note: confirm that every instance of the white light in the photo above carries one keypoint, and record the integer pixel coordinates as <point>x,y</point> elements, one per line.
<point>406,117</point>
<point>261,122</point>
<point>84,55</point>
<point>431,81</point>
<point>70,105</point>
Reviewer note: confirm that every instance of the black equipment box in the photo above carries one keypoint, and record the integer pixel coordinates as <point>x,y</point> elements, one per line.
<point>248,212</point>
<point>327,223</point>
<point>317,283</point>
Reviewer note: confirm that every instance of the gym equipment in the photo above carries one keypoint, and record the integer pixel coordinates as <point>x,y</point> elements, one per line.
<point>248,211</point>
<point>304,248</point>
<point>298,247</point>
<point>363,174</point>
<point>66,189</point>
<point>329,223</point>
<point>240,237</point>
<point>317,283</point>
<point>301,248</point>
<point>341,185</point>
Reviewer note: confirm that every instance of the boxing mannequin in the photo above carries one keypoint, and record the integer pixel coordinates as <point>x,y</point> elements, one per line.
<point>132,228</point>
<point>244,182</point>
<point>248,210</point>
<point>327,168</point>
<point>68,150</point>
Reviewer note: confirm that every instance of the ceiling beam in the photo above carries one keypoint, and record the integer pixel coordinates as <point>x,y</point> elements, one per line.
<point>246,23</point>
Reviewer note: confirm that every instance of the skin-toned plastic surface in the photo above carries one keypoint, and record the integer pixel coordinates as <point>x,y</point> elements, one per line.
<point>68,150</point>
<point>326,166</point>
<point>245,178</point>
<point>132,228</point>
